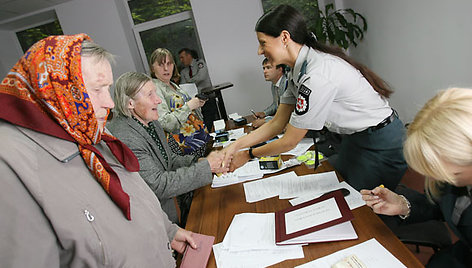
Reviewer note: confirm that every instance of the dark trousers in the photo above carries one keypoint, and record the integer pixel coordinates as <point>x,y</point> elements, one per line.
<point>373,157</point>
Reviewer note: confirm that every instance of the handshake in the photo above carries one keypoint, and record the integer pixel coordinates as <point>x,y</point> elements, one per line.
<point>216,161</point>
<point>227,160</point>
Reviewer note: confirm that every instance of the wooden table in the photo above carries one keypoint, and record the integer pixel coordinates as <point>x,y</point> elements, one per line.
<point>213,209</point>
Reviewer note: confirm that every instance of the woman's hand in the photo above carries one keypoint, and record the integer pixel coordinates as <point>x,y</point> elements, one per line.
<point>195,103</point>
<point>384,201</point>
<point>239,158</point>
<point>258,122</point>
<point>259,115</point>
<point>181,239</point>
<point>215,159</point>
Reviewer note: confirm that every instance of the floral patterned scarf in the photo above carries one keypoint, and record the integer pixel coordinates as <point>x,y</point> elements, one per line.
<point>45,92</point>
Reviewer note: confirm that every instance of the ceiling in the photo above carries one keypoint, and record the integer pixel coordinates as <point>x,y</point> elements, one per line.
<point>10,9</point>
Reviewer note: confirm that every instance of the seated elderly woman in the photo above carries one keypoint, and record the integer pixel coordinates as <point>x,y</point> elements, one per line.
<point>70,196</point>
<point>438,146</point>
<point>136,125</point>
<point>179,113</point>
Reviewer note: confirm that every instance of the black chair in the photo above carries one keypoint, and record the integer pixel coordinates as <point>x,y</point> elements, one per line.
<point>432,233</point>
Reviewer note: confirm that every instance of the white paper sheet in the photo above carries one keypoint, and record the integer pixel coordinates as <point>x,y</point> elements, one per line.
<point>250,242</point>
<point>354,199</point>
<point>370,252</point>
<point>190,88</point>
<point>266,188</point>
<point>301,147</point>
<point>312,215</point>
<point>339,232</point>
<point>249,171</point>
<point>254,258</point>
<point>307,184</point>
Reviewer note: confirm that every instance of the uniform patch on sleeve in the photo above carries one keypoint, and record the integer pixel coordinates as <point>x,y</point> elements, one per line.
<point>200,65</point>
<point>303,100</point>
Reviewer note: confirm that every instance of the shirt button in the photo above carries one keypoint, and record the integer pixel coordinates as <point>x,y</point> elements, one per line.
<point>328,124</point>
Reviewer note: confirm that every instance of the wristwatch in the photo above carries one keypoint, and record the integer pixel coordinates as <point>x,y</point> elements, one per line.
<point>250,153</point>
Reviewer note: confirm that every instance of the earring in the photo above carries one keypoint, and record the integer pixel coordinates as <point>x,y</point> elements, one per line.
<point>285,45</point>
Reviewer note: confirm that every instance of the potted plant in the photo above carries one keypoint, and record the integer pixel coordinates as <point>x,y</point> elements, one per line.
<point>341,27</point>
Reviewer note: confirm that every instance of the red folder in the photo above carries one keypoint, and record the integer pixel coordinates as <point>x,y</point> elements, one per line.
<point>198,258</point>
<point>280,228</point>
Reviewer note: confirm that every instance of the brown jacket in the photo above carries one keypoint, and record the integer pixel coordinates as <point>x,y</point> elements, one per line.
<point>55,214</point>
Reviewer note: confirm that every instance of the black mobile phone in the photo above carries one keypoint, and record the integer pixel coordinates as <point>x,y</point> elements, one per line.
<point>202,96</point>
<point>344,191</point>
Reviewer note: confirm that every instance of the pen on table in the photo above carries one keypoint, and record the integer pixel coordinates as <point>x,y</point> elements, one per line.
<point>254,113</point>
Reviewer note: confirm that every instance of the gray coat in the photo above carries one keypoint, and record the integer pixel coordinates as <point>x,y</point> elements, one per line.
<point>55,214</point>
<point>180,175</point>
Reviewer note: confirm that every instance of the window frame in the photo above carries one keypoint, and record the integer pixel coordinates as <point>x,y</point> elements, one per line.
<point>156,23</point>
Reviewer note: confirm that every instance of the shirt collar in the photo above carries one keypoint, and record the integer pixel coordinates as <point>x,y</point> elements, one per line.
<point>302,57</point>
<point>278,81</point>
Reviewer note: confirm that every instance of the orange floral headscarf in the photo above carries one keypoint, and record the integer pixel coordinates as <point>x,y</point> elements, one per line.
<point>45,92</point>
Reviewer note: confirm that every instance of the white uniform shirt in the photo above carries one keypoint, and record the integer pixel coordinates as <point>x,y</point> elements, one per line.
<point>328,91</point>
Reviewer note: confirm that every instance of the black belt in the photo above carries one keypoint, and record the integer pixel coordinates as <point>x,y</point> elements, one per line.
<point>384,122</point>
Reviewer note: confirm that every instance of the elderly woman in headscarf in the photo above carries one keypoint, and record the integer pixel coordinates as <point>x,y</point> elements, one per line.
<point>70,193</point>
<point>137,125</point>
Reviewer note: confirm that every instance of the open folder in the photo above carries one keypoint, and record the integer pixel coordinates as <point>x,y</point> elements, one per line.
<point>323,219</point>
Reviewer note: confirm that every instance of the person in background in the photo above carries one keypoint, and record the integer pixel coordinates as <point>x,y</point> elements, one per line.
<point>438,146</point>
<point>326,88</point>
<point>179,113</point>
<point>136,124</point>
<point>71,196</point>
<point>196,71</point>
<point>276,75</point>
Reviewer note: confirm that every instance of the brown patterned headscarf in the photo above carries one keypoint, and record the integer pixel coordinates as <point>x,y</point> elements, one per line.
<point>45,92</point>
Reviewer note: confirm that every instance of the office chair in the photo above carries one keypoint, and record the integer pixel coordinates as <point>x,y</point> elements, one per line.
<point>432,233</point>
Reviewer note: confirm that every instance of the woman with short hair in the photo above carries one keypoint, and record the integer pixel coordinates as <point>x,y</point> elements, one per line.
<point>136,124</point>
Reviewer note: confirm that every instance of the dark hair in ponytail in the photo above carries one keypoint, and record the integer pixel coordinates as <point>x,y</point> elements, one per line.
<point>285,17</point>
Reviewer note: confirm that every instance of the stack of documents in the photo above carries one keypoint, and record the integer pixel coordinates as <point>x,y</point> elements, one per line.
<point>301,188</point>
<point>323,219</point>
<point>249,171</point>
<point>250,242</point>
<point>371,253</point>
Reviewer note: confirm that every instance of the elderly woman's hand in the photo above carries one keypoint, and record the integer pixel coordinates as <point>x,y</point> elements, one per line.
<point>181,239</point>
<point>215,159</point>
<point>384,201</point>
<point>195,103</point>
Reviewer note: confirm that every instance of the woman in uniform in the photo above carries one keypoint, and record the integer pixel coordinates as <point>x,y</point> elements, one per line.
<point>326,88</point>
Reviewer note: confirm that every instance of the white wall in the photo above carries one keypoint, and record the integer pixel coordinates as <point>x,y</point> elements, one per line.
<point>101,21</point>
<point>226,30</point>
<point>418,47</point>
<point>10,51</point>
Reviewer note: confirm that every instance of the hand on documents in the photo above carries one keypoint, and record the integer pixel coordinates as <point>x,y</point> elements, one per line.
<point>384,201</point>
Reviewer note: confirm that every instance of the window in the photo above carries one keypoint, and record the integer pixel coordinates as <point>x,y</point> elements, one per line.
<point>309,9</point>
<point>163,23</point>
<point>147,10</point>
<point>32,35</point>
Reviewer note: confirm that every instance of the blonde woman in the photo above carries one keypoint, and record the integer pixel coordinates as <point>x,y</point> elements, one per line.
<point>179,113</point>
<point>439,146</point>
